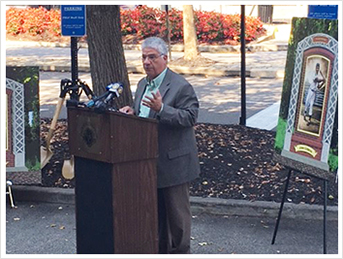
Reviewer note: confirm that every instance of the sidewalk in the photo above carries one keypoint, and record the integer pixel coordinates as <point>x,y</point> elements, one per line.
<point>264,63</point>
<point>264,59</point>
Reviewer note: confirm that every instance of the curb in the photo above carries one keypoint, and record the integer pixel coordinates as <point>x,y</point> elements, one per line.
<point>213,206</point>
<point>231,207</point>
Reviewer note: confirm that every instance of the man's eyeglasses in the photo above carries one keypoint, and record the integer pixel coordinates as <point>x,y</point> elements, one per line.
<point>151,57</point>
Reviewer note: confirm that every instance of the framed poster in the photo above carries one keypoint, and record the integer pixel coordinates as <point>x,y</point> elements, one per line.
<point>307,127</point>
<point>22,125</point>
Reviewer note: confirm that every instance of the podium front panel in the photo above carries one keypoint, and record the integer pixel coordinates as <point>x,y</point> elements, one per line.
<point>116,207</point>
<point>93,207</point>
<point>134,207</point>
<point>89,134</point>
<point>111,137</point>
<point>115,182</point>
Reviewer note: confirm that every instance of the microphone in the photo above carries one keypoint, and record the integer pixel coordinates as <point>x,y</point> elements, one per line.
<point>100,104</point>
<point>113,90</point>
<point>93,101</point>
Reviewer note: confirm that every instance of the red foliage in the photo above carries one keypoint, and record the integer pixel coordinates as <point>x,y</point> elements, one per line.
<point>143,22</point>
<point>33,21</point>
<point>210,26</point>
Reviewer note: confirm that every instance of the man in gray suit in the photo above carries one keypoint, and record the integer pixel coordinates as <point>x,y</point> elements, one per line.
<point>169,98</point>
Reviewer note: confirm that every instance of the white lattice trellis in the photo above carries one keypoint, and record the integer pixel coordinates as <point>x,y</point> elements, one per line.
<point>18,121</point>
<point>331,111</point>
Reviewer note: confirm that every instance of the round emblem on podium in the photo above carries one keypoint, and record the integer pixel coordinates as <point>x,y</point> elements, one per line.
<point>88,135</point>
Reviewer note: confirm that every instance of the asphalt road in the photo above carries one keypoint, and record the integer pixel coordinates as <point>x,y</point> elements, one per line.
<point>49,228</point>
<point>219,97</point>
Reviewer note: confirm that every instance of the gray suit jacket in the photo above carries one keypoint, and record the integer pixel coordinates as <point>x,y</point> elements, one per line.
<point>178,161</point>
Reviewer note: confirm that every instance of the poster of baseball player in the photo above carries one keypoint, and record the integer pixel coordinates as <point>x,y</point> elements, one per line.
<point>307,131</point>
<point>313,95</point>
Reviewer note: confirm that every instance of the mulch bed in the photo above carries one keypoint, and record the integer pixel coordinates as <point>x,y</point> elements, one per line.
<point>236,163</point>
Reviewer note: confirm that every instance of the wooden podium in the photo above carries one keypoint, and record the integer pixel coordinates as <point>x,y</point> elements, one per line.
<point>115,182</point>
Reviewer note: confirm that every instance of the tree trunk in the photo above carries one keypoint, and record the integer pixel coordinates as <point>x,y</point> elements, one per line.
<point>189,33</point>
<point>106,53</point>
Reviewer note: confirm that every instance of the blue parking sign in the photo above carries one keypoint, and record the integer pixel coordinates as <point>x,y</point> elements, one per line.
<point>323,11</point>
<point>73,20</point>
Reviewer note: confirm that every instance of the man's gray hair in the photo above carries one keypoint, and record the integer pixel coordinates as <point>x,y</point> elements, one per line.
<point>155,43</point>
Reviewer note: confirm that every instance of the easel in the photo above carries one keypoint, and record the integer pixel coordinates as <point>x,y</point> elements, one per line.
<point>315,173</point>
<point>316,144</point>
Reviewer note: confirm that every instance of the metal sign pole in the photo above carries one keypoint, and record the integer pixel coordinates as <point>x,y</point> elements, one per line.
<point>243,95</point>
<point>73,24</point>
<point>74,66</point>
<point>74,63</point>
<point>168,31</point>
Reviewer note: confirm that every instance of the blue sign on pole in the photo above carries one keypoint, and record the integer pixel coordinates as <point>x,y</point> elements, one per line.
<point>73,20</point>
<point>323,11</point>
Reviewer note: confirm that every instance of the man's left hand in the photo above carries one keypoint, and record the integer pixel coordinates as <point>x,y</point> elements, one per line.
<point>154,102</point>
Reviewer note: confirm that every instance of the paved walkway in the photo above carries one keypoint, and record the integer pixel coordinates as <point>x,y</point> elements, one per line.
<point>261,61</point>
<point>219,96</point>
<point>265,64</point>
